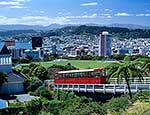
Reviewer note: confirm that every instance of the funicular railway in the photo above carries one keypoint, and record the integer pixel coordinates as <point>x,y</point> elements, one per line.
<point>96,80</point>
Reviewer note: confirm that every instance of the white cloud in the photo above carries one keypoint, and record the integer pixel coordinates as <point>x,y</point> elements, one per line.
<point>142,15</point>
<point>108,10</point>
<point>42,11</point>
<point>18,4</point>
<point>17,7</point>
<point>60,13</point>
<point>45,20</point>
<point>109,16</point>
<point>10,3</point>
<point>22,0</point>
<point>82,17</point>
<point>89,4</point>
<point>123,14</point>
<point>33,20</point>
<point>147,14</point>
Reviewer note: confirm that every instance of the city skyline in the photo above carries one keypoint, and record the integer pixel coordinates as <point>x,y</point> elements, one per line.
<point>46,12</point>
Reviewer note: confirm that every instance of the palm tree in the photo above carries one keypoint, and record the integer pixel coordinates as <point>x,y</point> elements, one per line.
<point>146,65</point>
<point>3,78</point>
<point>126,70</point>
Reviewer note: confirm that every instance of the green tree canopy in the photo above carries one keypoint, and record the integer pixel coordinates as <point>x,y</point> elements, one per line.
<point>127,70</point>
<point>3,78</point>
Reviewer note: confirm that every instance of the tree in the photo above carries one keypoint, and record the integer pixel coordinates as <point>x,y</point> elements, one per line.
<point>81,106</point>
<point>3,78</point>
<point>126,70</point>
<point>146,65</point>
<point>68,66</point>
<point>40,72</point>
<point>32,83</point>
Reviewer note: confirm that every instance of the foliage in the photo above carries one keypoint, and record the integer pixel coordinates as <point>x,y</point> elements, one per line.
<point>34,106</point>
<point>12,110</point>
<point>35,70</point>
<point>45,113</point>
<point>81,106</point>
<point>117,57</point>
<point>32,83</point>
<point>68,66</point>
<point>3,78</point>
<point>138,108</point>
<point>63,96</point>
<point>127,70</point>
<point>24,60</point>
<point>39,72</point>
<point>43,92</point>
<point>143,96</point>
<point>117,104</point>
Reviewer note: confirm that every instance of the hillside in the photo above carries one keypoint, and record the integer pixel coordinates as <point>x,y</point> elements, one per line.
<point>95,30</point>
<point>89,31</point>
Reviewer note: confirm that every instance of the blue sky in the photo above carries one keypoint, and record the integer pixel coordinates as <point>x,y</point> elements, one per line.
<point>45,12</point>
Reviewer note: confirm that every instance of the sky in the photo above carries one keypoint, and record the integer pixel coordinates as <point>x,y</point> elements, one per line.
<point>46,12</point>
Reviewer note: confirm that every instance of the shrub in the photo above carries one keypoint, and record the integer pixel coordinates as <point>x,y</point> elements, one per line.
<point>117,104</point>
<point>25,60</point>
<point>81,106</point>
<point>47,93</point>
<point>31,84</point>
<point>12,110</point>
<point>63,96</point>
<point>142,96</point>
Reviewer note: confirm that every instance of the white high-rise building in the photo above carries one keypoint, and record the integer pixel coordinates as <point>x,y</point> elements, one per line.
<point>105,44</point>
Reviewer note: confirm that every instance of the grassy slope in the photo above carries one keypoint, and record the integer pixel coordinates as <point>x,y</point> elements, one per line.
<point>76,63</point>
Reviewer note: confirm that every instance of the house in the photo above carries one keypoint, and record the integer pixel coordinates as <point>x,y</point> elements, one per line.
<point>17,48</point>
<point>15,79</point>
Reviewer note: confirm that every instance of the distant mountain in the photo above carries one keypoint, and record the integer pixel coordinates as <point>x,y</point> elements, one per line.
<point>58,26</point>
<point>130,26</point>
<point>30,27</point>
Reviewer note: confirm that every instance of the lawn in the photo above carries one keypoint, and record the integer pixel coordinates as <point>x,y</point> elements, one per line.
<point>77,63</point>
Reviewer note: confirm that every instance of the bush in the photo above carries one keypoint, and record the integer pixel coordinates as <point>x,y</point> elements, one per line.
<point>12,110</point>
<point>118,104</point>
<point>31,84</point>
<point>142,96</point>
<point>81,106</point>
<point>69,67</point>
<point>63,96</point>
<point>34,106</point>
<point>43,92</point>
<point>25,60</point>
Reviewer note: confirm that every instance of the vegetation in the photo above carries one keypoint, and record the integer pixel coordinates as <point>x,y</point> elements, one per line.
<point>65,103</point>
<point>32,83</point>
<point>118,32</point>
<point>94,30</point>
<point>76,63</point>
<point>57,102</point>
<point>127,70</point>
<point>3,78</point>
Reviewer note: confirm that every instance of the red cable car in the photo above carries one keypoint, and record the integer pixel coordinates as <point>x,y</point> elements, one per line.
<point>85,76</point>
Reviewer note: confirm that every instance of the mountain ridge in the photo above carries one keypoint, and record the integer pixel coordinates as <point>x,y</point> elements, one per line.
<point>58,26</point>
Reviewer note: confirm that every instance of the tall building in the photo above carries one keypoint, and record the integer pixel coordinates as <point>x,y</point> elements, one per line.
<point>105,44</point>
<point>37,42</point>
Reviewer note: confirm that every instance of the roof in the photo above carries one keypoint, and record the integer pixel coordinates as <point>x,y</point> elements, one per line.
<point>79,71</point>
<point>15,78</point>
<point>3,104</point>
<point>3,48</point>
<point>23,45</point>
<point>1,45</point>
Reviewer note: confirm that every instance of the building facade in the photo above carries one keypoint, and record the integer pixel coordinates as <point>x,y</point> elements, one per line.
<point>105,44</point>
<point>14,84</point>
<point>5,59</point>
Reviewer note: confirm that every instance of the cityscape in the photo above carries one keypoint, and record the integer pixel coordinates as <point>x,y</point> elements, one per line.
<point>74,57</point>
